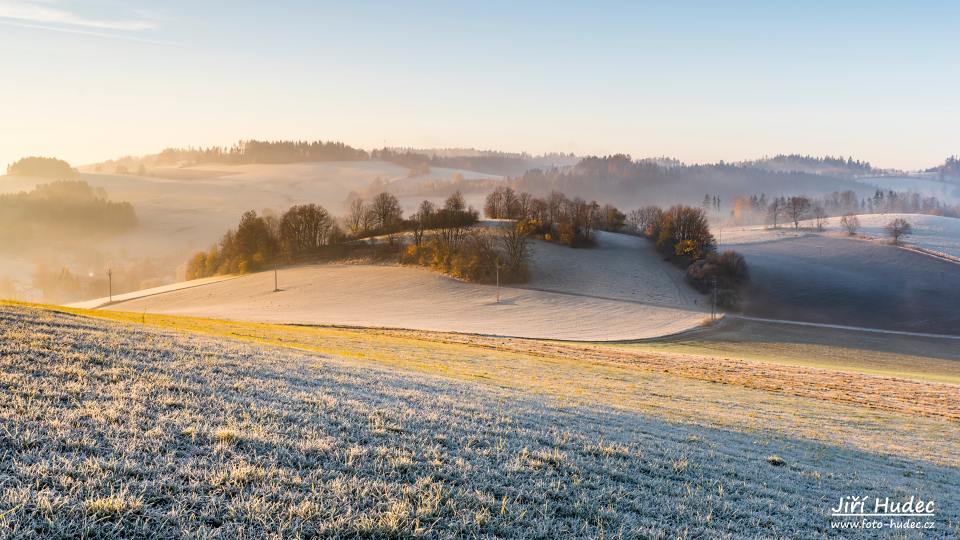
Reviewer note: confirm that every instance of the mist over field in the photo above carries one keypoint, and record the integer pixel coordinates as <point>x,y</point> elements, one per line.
<point>445,270</point>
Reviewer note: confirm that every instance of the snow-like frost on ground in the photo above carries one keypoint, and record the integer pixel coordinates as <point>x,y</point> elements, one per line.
<point>935,233</point>
<point>116,431</point>
<point>620,290</point>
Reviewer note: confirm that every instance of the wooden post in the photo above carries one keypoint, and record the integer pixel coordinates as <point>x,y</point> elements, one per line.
<point>498,280</point>
<point>713,300</point>
<point>110,282</point>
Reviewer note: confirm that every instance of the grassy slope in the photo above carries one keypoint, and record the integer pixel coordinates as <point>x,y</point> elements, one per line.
<point>838,280</point>
<point>924,359</point>
<point>837,407</point>
<point>119,429</point>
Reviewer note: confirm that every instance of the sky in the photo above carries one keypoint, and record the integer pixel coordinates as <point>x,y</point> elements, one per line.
<point>88,80</point>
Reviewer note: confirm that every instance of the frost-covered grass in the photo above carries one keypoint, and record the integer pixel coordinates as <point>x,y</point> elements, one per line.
<point>116,430</point>
<point>935,234</point>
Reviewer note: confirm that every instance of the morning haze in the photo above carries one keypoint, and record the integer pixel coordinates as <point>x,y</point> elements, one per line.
<point>485,270</point>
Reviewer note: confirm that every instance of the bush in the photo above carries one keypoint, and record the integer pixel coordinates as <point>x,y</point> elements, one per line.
<point>476,257</point>
<point>730,271</point>
<point>683,232</point>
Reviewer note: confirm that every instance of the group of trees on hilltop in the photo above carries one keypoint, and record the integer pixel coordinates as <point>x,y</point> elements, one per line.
<point>486,161</point>
<point>620,178</point>
<point>682,234</point>
<point>380,215</point>
<point>254,151</point>
<point>443,239</point>
<point>836,166</point>
<point>555,217</point>
<point>794,209</point>
<point>447,239</point>
<point>61,210</point>
<point>949,170</point>
<point>259,241</point>
<point>244,152</point>
<point>42,167</point>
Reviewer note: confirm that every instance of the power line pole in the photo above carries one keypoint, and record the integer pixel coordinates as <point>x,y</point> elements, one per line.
<point>110,283</point>
<point>498,280</point>
<point>713,300</point>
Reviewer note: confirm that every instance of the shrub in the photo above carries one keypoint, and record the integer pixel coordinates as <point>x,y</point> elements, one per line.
<point>683,232</point>
<point>851,223</point>
<point>730,271</point>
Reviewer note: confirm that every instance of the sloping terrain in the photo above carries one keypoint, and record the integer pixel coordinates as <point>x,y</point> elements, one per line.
<point>405,297</point>
<point>936,234</point>
<point>926,186</point>
<point>836,280</point>
<point>621,266</point>
<point>182,210</point>
<point>620,290</point>
<point>115,430</point>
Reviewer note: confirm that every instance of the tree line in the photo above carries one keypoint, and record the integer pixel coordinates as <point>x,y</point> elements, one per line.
<point>682,234</point>
<point>792,210</point>
<point>555,218</point>
<point>949,170</point>
<point>443,237</point>
<point>448,238</point>
<point>61,210</point>
<point>254,151</point>
<point>620,178</point>
<point>836,166</point>
<point>42,167</point>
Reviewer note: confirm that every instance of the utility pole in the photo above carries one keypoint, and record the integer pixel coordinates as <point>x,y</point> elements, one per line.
<point>713,300</point>
<point>498,279</point>
<point>110,283</point>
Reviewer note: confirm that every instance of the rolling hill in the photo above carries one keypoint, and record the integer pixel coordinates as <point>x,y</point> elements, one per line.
<point>182,210</point>
<point>620,290</point>
<point>836,280</point>
<point>208,428</point>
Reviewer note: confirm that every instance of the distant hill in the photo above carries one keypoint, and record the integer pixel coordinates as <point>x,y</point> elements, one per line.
<point>418,161</point>
<point>42,167</point>
<point>826,165</point>
<point>639,182</point>
<point>244,152</point>
<point>484,161</point>
<point>948,171</point>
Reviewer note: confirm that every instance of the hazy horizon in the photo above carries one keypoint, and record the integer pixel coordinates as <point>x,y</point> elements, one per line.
<point>94,80</point>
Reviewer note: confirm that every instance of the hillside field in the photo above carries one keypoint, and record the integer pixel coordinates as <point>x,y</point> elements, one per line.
<point>622,289</point>
<point>935,234</point>
<point>836,280</point>
<point>159,426</point>
<point>183,210</point>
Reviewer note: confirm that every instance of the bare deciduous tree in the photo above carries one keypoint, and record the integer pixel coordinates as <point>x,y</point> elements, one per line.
<point>897,229</point>
<point>422,221</point>
<point>305,229</point>
<point>516,247</point>
<point>775,210</point>
<point>851,223</point>
<point>640,220</point>
<point>797,208</point>
<point>386,212</point>
<point>820,215</point>
<point>356,219</point>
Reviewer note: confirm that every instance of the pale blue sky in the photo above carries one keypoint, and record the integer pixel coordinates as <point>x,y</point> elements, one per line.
<point>700,81</point>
